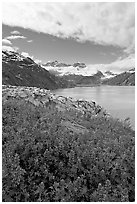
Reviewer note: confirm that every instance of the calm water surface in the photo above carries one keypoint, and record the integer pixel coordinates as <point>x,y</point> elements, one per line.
<point>119,101</point>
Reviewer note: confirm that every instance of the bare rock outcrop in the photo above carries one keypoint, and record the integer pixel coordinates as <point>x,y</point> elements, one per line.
<point>43,97</point>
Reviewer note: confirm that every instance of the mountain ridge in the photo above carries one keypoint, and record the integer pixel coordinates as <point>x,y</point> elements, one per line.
<point>23,71</point>
<point>123,79</point>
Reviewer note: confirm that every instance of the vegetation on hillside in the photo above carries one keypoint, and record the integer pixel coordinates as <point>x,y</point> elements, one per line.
<point>44,161</point>
<point>80,80</point>
<point>123,79</point>
<point>20,71</point>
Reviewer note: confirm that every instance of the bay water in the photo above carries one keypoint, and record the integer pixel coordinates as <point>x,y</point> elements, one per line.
<point>119,101</point>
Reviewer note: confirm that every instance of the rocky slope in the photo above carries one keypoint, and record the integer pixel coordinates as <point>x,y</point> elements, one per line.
<point>44,98</point>
<point>23,71</point>
<point>123,79</point>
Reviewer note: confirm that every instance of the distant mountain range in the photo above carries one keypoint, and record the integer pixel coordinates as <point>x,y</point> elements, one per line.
<point>18,70</point>
<point>59,64</point>
<point>108,78</point>
<point>79,74</point>
<point>61,69</point>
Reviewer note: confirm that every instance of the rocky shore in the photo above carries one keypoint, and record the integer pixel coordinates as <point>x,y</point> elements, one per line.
<point>43,97</point>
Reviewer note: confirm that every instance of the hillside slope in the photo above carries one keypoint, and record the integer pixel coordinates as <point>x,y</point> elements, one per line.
<point>80,80</point>
<point>123,79</point>
<point>91,80</point>
<point>23,71</point>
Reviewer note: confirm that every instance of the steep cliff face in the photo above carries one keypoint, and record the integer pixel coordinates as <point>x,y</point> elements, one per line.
<point>18,70</point>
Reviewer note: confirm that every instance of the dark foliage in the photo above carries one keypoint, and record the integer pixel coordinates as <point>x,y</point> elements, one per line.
<point>26,72</point>
<point>43,161</point>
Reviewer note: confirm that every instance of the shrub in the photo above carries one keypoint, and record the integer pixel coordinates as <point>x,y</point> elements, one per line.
<point>43,161</point>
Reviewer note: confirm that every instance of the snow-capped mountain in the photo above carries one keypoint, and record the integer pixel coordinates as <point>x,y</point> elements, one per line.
<point>131,71</point>
<point>80,69</point>
<point>123,79</point>
<point>19,70</point>
<point>15,57</point>
<point>60,64</point>
<point>108,74</point>
<point>8,56</point>
<point>61,69</point>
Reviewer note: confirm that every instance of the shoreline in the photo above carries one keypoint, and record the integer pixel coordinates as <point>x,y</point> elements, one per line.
<point>55,143</point>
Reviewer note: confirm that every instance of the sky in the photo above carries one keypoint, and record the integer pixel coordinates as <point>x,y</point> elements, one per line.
<point>98,34</point>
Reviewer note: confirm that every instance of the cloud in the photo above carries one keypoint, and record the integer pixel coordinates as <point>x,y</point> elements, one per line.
<point>6,42</point>
<point>25,54</point>
<point>123,64</point>
<point>38,61</point>
<point>13,37</point>
<point>102,23</point>
<point>15,32</point>
<point>9,48</point>
<point>30,41</point>
<point>118,66</point>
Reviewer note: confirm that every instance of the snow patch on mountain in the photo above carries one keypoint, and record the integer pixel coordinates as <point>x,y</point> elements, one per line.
<point>131,71</point>
<point>85,71</point>
<point>11,55</point>
<point>70,70</point>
